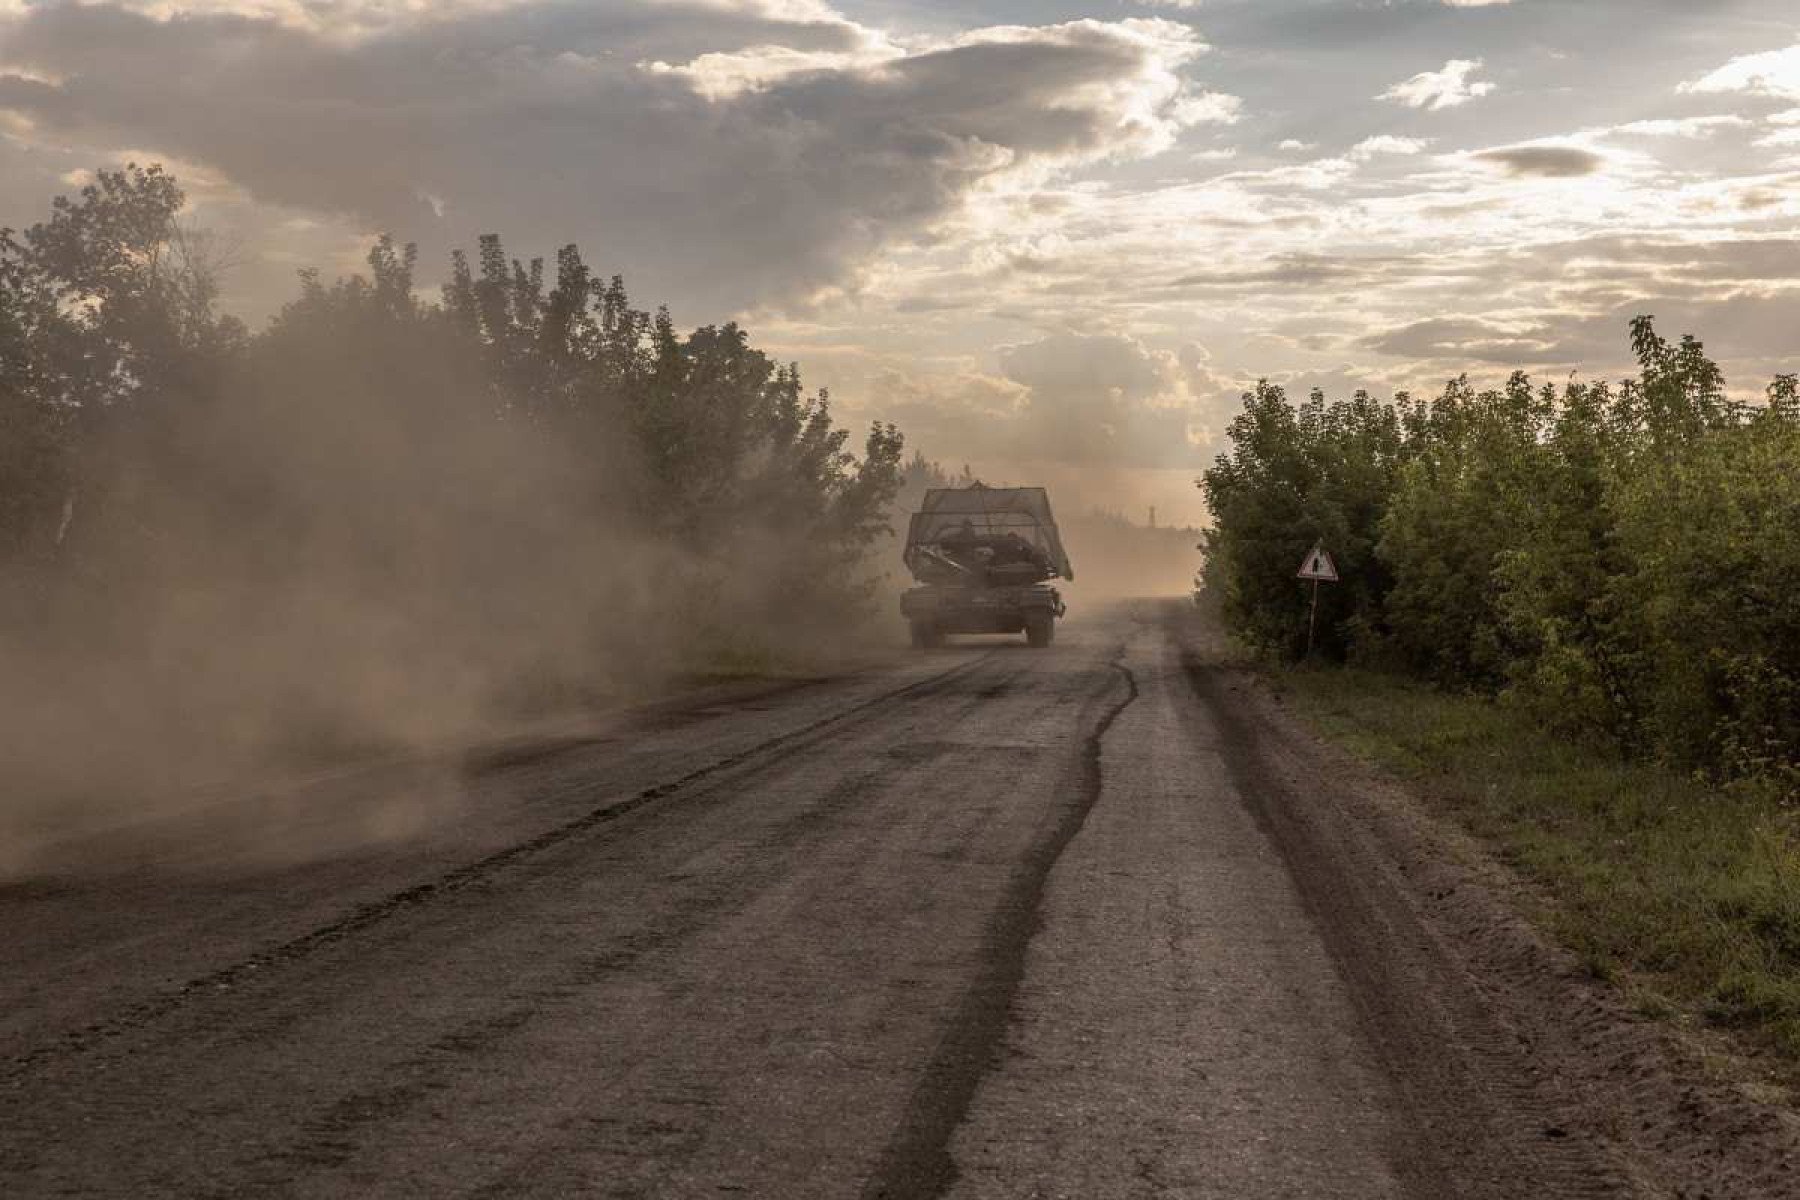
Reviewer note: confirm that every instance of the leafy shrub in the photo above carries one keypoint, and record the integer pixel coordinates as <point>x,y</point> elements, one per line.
<point>1619,560</point>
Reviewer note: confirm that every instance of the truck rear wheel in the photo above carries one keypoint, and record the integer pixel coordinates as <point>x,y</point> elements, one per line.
<point>926,635</point>
<point>1040,628</point>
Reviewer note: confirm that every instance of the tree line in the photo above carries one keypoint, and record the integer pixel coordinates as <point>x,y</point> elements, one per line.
<point>1619,558</point>
<point>525,478</point>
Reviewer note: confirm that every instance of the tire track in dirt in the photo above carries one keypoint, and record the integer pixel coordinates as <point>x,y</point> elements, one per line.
<point>365,916</point>
<point>332,1136</point>
<point>1485,1117</point>
<point>917,1164</point>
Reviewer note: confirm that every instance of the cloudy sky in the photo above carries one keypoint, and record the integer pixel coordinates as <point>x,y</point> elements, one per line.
<point>1052,239</point>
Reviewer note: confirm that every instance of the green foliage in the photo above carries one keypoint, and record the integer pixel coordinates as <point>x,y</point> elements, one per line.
<point>1617,561</point>
<point>1300,475</point>
<point>1713,539</point>
<point>1462,503</point>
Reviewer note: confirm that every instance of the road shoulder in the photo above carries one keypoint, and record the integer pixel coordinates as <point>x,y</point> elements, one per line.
<point>1625,1086</point>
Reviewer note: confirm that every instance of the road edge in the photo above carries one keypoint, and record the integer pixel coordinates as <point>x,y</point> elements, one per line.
<point>1632,1088</point>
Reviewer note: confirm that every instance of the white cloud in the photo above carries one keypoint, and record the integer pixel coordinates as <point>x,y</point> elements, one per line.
<point>1297,144</point>
<point>1209,108</point>
<point>1381,144</point>
<point>725,75</point>
<point>1320,174</point>
<point>1108,398</point>
<point>1434,90</point>
<point>1771,73</point>
<point>1687,127</point>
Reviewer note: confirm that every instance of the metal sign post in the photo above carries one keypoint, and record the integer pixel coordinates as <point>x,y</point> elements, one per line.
<point>1318,567</point>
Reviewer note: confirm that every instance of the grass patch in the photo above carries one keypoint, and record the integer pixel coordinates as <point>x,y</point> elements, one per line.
<point>1692,892</point>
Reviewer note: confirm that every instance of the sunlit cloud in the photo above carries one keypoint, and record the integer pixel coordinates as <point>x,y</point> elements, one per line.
<point>1683,127</point>
<point>1770,73</point>
<point>1435,90</point>
<point>1069,241</point>
<point>826,141</point>
<point>1209,108</point>
<point>1387,144</point>
<point>725,75</point>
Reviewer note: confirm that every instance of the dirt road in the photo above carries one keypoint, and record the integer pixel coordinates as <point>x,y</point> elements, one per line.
<point>1092,921</point>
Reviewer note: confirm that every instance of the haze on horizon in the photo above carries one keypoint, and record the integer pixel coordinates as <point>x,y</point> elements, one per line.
<point>1051,240</point>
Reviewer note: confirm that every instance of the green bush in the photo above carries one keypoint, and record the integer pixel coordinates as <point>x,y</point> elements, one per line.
<point>1619,561</point>
<point>1463,503</point>
<point>1316,473</point>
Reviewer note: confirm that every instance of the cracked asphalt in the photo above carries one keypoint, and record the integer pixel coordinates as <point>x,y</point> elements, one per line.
<point>991,922</point>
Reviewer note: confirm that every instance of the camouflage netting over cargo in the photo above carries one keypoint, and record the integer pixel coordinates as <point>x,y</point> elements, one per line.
<point>985,536</point>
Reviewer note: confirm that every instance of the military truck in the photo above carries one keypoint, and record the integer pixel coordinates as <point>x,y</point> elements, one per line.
<point>983,558</point>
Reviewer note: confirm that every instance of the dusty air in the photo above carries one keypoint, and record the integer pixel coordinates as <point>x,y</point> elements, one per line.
<point>541,652</point>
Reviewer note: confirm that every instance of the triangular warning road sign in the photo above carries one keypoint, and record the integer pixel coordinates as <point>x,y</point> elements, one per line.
<point>1318,565</point>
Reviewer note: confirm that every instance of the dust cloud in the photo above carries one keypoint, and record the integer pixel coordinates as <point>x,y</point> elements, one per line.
<point>348,554</point>
<point>1116,559</point>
